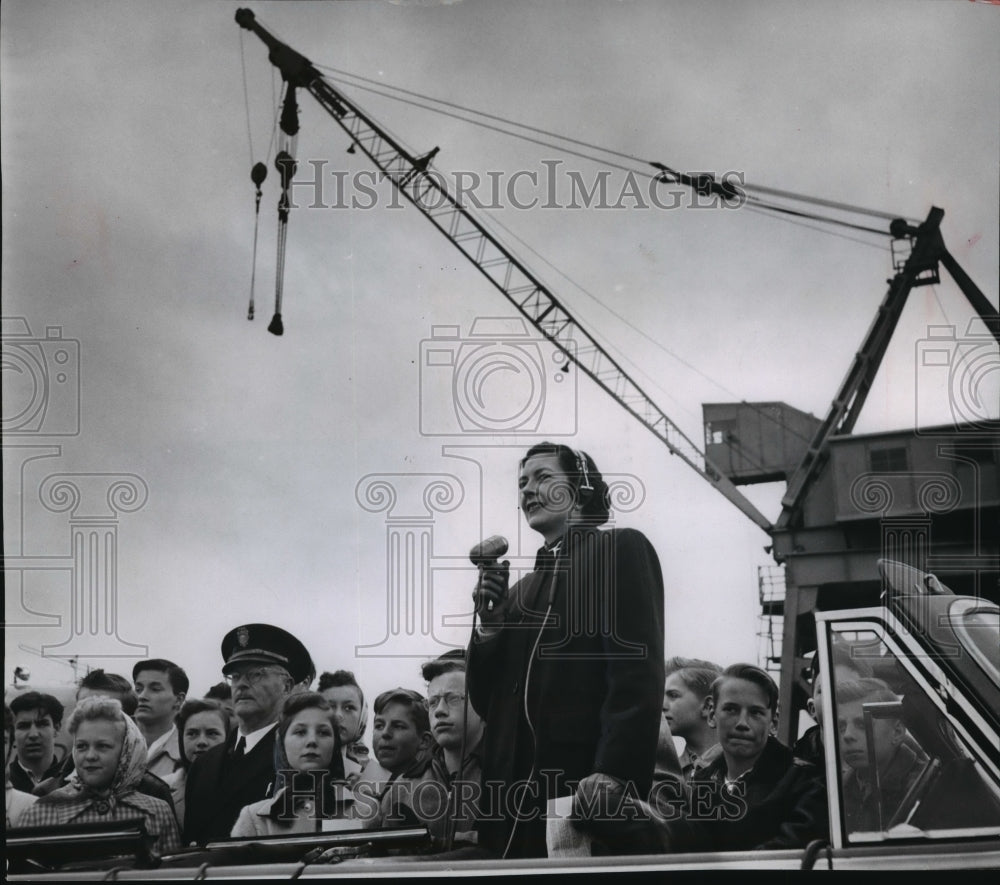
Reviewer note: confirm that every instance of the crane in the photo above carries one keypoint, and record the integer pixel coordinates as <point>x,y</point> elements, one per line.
<point>531,297</point>
<point>918,250</point>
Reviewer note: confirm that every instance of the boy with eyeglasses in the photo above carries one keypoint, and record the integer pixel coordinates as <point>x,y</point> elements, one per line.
<point>458,732</point>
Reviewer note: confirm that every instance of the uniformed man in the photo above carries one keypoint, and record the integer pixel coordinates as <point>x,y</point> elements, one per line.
<point>262,663</point>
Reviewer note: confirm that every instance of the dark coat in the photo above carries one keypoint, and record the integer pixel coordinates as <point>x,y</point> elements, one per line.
<point>219,786</point>
<point>783,805</point>
<point>809,747</point>
<point>595,691</point>
<point>21,780</point>
<point>865,808</point>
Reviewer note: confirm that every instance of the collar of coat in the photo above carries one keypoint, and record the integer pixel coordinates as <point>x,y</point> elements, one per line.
<point>549,554</point>
<point>770,766</point>
<point>284,804</point>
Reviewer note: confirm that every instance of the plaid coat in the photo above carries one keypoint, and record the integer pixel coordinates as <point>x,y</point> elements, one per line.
<point>160,822</point>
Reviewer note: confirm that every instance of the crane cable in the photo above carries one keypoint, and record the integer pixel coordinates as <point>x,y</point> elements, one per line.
<point>257,175</point>
<point>284,162</point>
<point>760,204</point>
<point>276,326</point>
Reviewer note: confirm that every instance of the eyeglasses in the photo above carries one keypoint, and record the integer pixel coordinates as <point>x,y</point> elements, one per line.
<point>252,677</point>
<point>452,698</point>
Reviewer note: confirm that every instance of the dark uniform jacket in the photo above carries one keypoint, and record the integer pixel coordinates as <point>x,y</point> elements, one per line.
<point>219,785</point>
<point>779,803</point>
<point>595,690</point>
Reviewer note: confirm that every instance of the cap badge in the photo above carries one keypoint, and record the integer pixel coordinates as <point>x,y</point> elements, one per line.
<point>243,637</point>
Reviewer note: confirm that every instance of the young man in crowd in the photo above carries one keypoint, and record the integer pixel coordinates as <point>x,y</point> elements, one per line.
<point>263,663</point>
<point>869,801</point>
<point>17,802</point>
<point>402,743</point>
<point>846,668</point>
<point>458,732</point>
<point>37,719</point>
<point>755,795</point>
<point>686,696</point>
<point>109,685</point>
<point>161,687</point>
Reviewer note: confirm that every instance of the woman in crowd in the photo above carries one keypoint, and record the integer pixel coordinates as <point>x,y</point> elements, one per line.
<point>201,725</point>
<point>350,715</point>
<point>109,754</point>
<point>310,775</point>
<point>566,666</point>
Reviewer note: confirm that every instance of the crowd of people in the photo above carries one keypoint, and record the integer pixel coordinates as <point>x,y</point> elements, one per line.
<point>562,696</point>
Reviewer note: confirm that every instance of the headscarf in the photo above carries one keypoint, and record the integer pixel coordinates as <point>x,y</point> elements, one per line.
<point>355,748</point>
<point>77,797</point>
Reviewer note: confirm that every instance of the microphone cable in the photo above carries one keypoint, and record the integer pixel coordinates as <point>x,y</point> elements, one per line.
<point>527,714</point>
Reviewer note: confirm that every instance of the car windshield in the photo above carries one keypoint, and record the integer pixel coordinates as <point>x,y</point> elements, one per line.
<point>905,767</point>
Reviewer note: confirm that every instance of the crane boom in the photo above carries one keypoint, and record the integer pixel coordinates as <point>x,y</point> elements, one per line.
<point>503,269</point>
<point>919,269</point>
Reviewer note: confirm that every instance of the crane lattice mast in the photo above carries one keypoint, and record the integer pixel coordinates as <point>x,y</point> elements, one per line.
<point>505,271</point>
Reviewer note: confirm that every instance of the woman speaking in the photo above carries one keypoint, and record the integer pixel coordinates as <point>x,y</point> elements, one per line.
<point>566,666</point>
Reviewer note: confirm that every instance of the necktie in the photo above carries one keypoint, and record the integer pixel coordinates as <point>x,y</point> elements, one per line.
<point>241,746</point>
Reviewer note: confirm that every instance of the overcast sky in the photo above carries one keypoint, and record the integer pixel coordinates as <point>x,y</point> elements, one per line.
<point>128,224</point>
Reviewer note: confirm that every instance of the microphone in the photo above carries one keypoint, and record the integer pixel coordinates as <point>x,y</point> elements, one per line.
<point>489,550</point>
<point>487,553</point>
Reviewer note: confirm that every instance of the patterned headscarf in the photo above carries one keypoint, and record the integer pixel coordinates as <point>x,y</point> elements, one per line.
<point>76,797</point>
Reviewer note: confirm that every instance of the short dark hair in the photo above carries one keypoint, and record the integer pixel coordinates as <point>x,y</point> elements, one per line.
<point>221,691</point>
<point>175,675</point>
<point>111,683</point>
<point>414,701</point>
<point>338,679</point>
<point>595,507</point>
<point>750,673</point>
<point>8,718</point>
<point>36,700</point>
<point>191,708</point>
<point>450,662</point>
